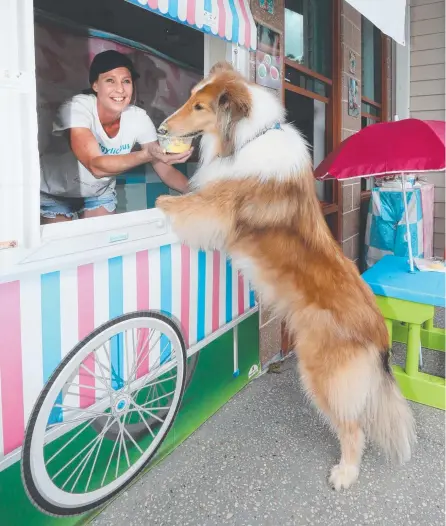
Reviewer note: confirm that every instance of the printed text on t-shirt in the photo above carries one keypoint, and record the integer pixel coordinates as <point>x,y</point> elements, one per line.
<point>114,151</point>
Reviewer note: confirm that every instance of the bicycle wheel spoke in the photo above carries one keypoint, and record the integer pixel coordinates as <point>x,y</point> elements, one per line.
<point>92,374</point>
<point>91,387</point>
<point>78,409</point>
<point>127,355</point>
<point>145,410</point>
<point>157,399</point>
<point>143,356</point>
<point>145,423</point>
<point>134,348</point>
<point>133,440</point>
<point>125,447</point>
<point>109,461</point>
<point>80,453</point>
<point>119,454</point>
<point>84,463</point>
<point>85,460</point>
<point>160,408</point>
<point>94,462</point>
<point>69,442</point>
<point>101,368</point>
<point>69,422</point>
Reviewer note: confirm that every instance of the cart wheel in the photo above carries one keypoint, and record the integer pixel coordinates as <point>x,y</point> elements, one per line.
<point>137,429</point>
<point>68,466</point>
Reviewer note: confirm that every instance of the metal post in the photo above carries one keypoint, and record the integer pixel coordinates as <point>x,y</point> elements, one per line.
<point>406,215</point>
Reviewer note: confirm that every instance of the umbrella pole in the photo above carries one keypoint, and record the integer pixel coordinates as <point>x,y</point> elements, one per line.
<point>406,216</point>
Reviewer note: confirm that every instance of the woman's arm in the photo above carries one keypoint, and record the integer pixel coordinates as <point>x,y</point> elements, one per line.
<point>85,147</point>
<point>172,177</point>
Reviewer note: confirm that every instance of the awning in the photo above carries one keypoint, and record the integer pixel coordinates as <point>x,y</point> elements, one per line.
<point>230,20</point>
<point>387,15</point>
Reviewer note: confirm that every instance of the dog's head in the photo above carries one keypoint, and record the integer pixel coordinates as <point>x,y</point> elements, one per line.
<point>216,105</point>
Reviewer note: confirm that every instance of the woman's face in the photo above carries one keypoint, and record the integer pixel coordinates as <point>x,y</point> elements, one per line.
<point>114,89</point>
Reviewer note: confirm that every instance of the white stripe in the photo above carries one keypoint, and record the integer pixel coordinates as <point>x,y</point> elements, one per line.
<point>420,237</point>
<point>241,24</point>
<point>199,12</point>
<point>101,308</point>
<point>163,6</point>
<point>252,24</point>
<point>209,295</point>
<point>69,324</point>
<point>234,292</point>
<point>215,12</point>
<point>222,310</point>
<point>246,292</point>
<point>193,296</point>
<point>176,281</point>
<point>69,321</point>
<point>101,293</point>
<point>228,19</point>
<point>182,9</point>
<point>129,305</point>
<point>154,301</point>
<point>31,334</point>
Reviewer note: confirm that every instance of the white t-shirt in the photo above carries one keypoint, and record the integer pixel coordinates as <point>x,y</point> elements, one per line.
<point>62,174</point>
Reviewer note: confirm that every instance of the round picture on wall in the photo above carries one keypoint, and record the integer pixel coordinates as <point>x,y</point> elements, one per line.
<point>268,58</point>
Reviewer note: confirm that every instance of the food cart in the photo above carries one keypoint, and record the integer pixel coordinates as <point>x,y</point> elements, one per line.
<point>117,341</point>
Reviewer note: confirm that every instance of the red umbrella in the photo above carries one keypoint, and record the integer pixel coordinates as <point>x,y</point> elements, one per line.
<point>409,145</point>
<point>396,147</point>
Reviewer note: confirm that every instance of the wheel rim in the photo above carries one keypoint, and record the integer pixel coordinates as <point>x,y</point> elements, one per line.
<point>71,464</point>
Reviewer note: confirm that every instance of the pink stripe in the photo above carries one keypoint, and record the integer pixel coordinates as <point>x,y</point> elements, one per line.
<point>241,294</point>
<point>247,24</point>
<point>185,291</point>
<point>216,291</point>
<point>142,303</point>
<point>85,291</point>
<point>221,18</point>
<point>153,4</point>
<point>11,366</point>
<point>190,12</point>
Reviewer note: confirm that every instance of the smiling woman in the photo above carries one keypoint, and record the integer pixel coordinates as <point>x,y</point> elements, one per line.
<point>99,129</point>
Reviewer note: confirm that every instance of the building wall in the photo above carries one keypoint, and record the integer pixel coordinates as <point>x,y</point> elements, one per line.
<point>427,87</point>
<point>351,191</point>
<point>270,325</point>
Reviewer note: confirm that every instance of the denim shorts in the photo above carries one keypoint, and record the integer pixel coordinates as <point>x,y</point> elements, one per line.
<point>51,206</point>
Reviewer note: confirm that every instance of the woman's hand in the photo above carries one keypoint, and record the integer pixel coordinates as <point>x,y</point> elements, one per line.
<point>155,153</point>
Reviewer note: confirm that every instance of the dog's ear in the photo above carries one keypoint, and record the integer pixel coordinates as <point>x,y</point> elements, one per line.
<point>221,67</point>
<point>236,99</point>
<point>233,105</point>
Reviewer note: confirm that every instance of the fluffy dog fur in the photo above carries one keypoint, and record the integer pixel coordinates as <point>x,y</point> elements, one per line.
<point>253,197</point>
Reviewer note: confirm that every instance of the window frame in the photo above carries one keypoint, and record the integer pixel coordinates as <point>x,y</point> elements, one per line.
<point>331,210</point>
<point>109,235</point>
<point>381,107</point>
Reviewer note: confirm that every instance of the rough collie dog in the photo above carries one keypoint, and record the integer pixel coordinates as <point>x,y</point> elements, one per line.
<point>253,197</point>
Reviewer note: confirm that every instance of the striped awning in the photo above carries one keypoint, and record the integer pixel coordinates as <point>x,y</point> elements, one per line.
<point>230,20</point>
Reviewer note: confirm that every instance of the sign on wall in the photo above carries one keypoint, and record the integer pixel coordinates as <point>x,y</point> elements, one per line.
<point>268,58</point>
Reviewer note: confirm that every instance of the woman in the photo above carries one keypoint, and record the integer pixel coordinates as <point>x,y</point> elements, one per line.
<point>94,135</point>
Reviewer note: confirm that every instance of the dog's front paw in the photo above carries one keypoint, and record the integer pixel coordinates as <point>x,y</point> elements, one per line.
<point>165,202</point>
<point>343,476</point>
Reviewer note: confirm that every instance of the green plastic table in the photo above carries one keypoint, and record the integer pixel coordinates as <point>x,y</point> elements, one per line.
<point>407,301</point>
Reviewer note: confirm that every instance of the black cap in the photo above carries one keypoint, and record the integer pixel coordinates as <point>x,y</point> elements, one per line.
<point>108,60</point>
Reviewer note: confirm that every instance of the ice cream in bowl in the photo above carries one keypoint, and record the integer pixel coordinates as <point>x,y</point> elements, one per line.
<point>173,144</point>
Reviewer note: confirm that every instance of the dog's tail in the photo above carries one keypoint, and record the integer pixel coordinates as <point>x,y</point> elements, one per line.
<point>388,419</point>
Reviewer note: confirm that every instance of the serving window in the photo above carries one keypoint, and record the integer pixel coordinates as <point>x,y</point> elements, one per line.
<point>168,56</point>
